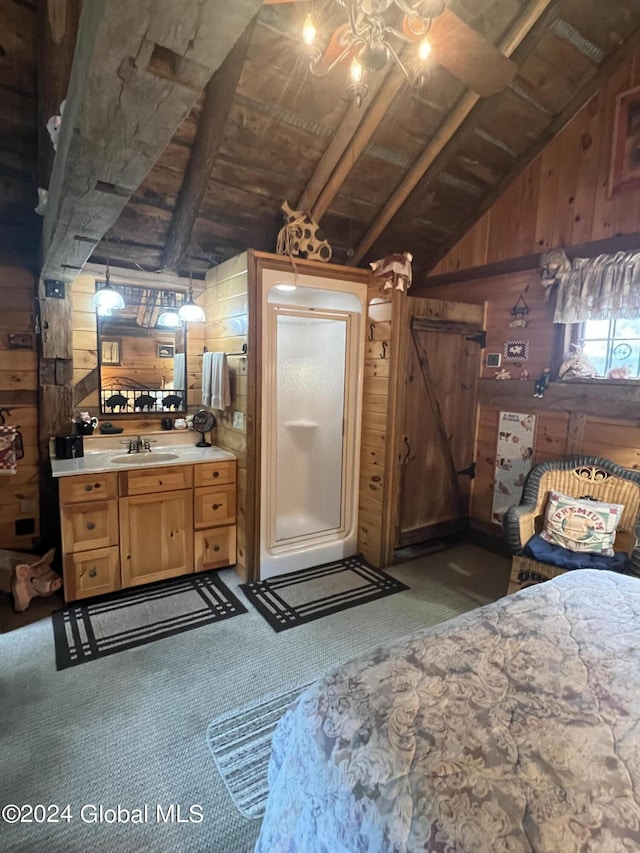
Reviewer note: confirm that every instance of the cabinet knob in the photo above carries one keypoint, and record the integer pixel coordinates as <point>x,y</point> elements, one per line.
<point>91,526</point>
<point>217,506</point>
<point>88,488</point>
<point>216,473</point>
<point>93,573</point>
<point>216,547</point>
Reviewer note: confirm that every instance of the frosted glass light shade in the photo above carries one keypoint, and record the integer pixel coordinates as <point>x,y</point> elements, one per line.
<point>169,320</point>
<point>190,312</point>
<point>107,297</point>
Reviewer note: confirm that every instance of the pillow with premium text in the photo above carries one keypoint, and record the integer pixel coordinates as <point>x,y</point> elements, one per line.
<point>580,524</point>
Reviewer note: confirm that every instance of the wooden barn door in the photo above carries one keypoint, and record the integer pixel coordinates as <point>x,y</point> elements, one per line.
<point>443,344</point>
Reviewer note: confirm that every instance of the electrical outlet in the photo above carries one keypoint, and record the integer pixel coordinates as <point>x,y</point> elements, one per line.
<point>238,420</point>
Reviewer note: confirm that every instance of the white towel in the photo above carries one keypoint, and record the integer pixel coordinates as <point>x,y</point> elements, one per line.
<point>216,389</point>
<point>179,372</point>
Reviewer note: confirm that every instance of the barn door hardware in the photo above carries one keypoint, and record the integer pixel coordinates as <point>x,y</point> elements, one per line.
<point>405,441</point>
<point>469,471</point>
<point>480,338</point>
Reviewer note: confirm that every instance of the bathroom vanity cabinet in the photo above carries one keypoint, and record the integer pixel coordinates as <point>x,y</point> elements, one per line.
<point>126,528</point>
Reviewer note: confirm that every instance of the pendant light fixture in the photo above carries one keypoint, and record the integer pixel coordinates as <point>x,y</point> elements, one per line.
<point>107,297</point>
<point>190,312</point>
<point>169,319</point>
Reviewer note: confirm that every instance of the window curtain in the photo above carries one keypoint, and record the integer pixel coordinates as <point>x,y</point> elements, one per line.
<point>603,288</point>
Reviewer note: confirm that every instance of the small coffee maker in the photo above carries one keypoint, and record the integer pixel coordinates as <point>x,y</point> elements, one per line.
<point>69,446</point>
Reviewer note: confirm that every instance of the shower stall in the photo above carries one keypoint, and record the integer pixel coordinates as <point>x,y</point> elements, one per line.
<point>310,374</point>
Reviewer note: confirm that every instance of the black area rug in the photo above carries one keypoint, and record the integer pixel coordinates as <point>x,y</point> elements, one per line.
<point>293,599</point>
<point>124,620</point>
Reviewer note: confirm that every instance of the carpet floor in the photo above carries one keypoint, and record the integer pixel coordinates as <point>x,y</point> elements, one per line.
<point>130,729</point>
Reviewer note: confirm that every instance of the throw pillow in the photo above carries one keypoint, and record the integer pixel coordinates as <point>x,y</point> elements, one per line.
<point>581,524</point>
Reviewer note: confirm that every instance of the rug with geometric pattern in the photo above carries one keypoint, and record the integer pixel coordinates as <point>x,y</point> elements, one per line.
<point>298,597</point>
<point>123,620</point>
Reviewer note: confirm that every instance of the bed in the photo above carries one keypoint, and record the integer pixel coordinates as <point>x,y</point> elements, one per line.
<point>515,727</point>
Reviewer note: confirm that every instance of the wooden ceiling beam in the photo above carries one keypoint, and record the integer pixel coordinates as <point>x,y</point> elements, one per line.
<point>219,97</point>
<point>341,149</point>
<point>525,23</point>
<point>57,32</point>
<point>138,69</point>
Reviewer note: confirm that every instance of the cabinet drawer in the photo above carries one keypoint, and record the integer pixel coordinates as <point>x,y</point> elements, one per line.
<point>88,487</point>
<point>214,548</point>
<point>214,506</point>
<point>91,573</point>
<point>214,473</point>
<point>148,481</point>
<point>89,525</point>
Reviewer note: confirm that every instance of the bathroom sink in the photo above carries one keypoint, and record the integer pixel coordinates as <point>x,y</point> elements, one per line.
<point>152,458</point>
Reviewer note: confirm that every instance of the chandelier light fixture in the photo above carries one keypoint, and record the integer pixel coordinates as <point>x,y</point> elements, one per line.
<point>372,37</point>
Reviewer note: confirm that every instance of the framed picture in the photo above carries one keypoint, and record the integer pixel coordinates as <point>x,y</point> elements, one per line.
<point>111,351</point>
<point>166,350</point>
<point>624,172</point>
<point>493,359</point>
<point>516,350</point>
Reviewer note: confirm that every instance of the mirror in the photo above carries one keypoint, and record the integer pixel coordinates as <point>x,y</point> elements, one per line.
<point>142,366</point>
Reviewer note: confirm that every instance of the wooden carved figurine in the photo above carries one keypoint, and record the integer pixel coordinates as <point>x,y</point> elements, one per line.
<point>577,366</point>
<point>395,269</point>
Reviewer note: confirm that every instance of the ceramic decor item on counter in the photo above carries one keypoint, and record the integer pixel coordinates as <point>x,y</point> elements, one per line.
<point>85,425</point>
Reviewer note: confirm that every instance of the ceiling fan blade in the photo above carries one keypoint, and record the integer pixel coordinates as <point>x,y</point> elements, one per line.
<point>468,56</point>
<point>334,49</point>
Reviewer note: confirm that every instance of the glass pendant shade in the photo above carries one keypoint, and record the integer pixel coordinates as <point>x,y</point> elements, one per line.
<point>169,319</point>
<point>190,312</point>
<point>108,298</point>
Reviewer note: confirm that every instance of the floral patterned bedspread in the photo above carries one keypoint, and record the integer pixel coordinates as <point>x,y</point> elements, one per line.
<point>515,727</point>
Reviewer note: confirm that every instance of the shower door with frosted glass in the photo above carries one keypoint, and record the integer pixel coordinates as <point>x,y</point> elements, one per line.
<point>309,385</point>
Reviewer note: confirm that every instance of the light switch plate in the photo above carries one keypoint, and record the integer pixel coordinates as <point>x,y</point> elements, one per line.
<point>238,420</point>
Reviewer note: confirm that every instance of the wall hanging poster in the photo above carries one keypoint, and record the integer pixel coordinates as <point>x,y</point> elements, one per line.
<point>514,457</point>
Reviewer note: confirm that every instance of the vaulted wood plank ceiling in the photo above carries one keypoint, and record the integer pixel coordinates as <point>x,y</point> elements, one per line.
<point>411,169</point>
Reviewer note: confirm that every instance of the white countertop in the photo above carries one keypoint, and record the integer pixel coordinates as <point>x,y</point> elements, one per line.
<point>99,452</point>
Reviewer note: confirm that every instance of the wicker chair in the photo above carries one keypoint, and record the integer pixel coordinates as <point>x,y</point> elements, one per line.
<point>579,477</point>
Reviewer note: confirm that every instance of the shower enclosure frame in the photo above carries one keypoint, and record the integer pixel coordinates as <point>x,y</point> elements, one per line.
<point>332,275</point>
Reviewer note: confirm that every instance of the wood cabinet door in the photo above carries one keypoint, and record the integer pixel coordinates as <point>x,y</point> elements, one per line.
<point>437,429</point>
<point>156,537</point>
<point>215,548</point>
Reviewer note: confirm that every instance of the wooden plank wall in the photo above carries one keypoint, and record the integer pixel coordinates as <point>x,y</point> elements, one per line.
<point>142,352</point>
<point>374,440</point>
<point>562,198</point>
<point>225,302</point>
<point>85,350</point>
<point>19,494</point>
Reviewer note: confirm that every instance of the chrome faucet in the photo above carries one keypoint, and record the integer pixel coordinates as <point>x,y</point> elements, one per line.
<point>139,444</point>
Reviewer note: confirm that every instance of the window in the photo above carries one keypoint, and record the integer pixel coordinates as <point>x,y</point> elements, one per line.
<point>611,345</point>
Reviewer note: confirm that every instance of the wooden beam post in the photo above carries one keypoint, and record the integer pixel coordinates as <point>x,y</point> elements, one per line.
<point>454,120</point>
<point>137,71</point>
<point>219,97</point>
